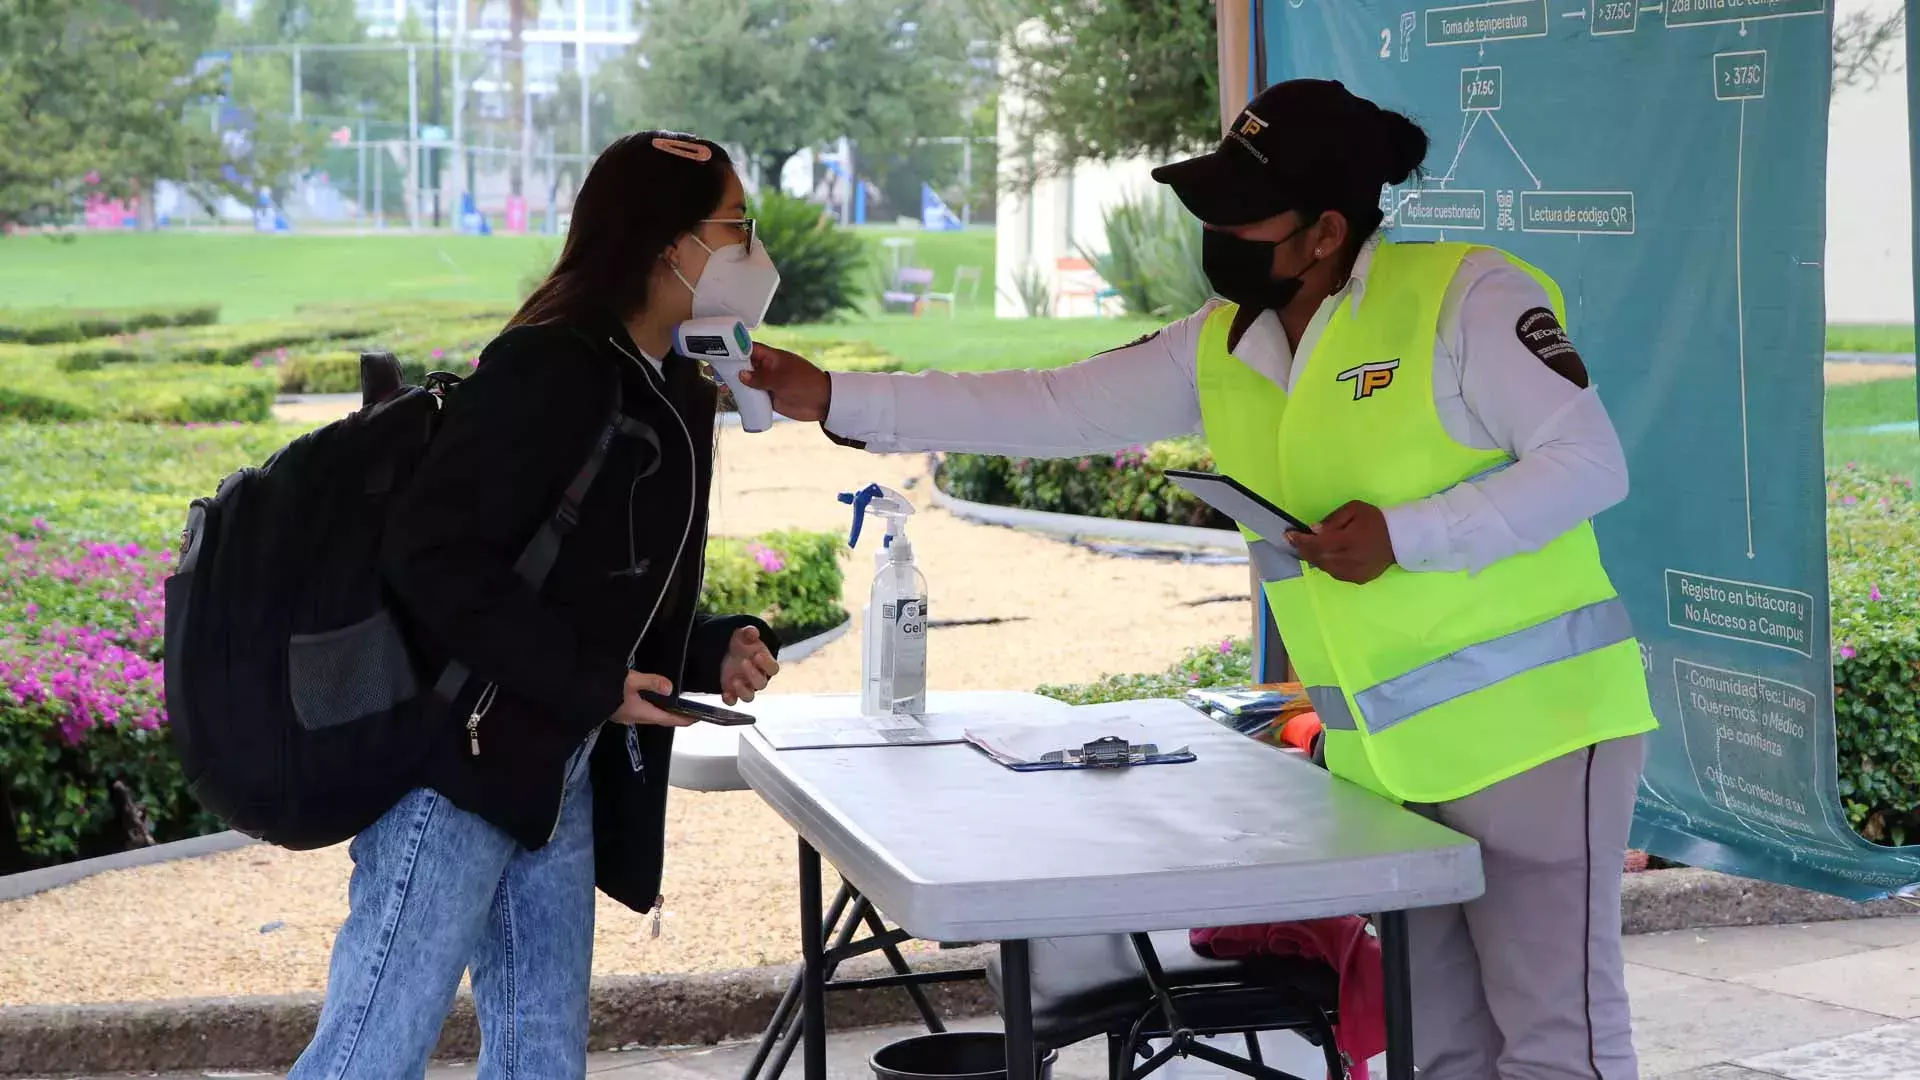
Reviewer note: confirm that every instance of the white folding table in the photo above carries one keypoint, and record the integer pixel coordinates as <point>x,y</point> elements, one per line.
<point>706,758</point>
<point>954,847</point>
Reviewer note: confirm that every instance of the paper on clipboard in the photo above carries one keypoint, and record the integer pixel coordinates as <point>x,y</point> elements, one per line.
<point>1029,744</point>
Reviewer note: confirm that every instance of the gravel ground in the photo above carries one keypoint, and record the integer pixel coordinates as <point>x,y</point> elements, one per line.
<point>1837,374</point>
<point>261,920</point>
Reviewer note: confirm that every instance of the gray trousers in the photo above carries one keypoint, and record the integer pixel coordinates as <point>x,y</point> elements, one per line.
<point>1527,982</point>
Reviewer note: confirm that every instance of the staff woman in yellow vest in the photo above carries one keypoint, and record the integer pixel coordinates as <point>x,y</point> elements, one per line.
<point>1461,641</point>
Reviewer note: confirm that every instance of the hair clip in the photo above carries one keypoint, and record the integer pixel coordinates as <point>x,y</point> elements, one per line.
<point>692,151</point>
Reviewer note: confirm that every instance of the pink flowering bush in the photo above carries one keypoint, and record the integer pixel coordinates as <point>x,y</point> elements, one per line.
<point>791,579</point>
<point>82,714</point>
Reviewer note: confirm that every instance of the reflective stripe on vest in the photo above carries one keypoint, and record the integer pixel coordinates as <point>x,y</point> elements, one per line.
<point>1331,705</point>
<point>1476,667</point>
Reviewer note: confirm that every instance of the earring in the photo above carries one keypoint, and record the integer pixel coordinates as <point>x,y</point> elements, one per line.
<point>1317,253</point>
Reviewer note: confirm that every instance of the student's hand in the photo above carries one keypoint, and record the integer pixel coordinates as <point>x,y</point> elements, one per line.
<point>637,710</point>
<point>799,390</point>
<point>1352,544</point>
<point>747,668</point>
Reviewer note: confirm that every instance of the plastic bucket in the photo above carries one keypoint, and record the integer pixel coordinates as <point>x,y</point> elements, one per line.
<point>953,1055</point>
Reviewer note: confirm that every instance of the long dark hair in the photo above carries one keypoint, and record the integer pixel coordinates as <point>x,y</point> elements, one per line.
<point>643,193</point>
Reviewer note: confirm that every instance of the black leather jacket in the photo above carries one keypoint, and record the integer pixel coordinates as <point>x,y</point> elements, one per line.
<point>549,667</point>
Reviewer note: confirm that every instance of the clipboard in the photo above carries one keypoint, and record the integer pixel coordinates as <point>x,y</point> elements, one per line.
<point>1234,499</point>
<point>1107,752</point>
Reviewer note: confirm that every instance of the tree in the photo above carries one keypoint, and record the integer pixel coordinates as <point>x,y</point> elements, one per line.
<point>1100,81</point>
<point>1866,45</point>
<point>193,20</point>
<point>559,113</point>
<point>1106,81</point>
<point>335,83</point>
<point>777,76</point>
<point>94,102</point>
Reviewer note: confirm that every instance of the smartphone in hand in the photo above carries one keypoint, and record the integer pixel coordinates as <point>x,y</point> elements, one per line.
<point>694,710</point>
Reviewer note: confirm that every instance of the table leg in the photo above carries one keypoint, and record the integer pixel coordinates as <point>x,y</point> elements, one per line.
<point>1396,969</point>
<point>813,994</point>
<point>782,1032</point>
<point>1016,990</point>
<point>878,929</point>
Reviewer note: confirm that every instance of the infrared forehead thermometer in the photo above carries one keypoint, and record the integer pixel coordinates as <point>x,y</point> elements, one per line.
<point>722,342</point>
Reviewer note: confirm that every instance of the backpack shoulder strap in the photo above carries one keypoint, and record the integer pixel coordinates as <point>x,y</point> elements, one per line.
<point>537,558</point>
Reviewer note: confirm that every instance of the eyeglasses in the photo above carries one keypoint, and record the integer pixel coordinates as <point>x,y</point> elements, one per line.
<point>745,225</point>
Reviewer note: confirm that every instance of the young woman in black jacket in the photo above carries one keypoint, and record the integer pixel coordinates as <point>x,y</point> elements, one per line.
<point>491,864</point>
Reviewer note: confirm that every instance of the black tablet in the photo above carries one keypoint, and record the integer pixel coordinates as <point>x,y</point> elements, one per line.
<point>1232,498</point>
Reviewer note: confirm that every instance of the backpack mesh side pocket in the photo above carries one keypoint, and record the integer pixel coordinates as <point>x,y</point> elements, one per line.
<point>349,674</point>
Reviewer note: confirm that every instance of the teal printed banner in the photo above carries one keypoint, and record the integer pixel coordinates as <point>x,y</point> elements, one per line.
<point>1665,161</point>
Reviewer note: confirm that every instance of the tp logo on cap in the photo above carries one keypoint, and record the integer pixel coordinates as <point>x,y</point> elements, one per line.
<point>1368,378</point>
<point>1251,125</point>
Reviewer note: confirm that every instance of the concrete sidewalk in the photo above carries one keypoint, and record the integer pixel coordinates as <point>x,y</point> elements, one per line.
<point>1817,1002</point>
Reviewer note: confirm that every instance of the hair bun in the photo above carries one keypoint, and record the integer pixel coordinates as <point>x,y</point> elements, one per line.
<point>1405,144</point>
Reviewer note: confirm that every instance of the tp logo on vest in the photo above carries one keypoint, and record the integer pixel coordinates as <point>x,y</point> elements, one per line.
<point>1369,377</point>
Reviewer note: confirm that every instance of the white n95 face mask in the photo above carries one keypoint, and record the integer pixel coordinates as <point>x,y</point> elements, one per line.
<point>739,281</point>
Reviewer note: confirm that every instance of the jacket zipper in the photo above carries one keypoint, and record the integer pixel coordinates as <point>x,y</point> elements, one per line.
<point>484,702</point>
<point>693,481</point>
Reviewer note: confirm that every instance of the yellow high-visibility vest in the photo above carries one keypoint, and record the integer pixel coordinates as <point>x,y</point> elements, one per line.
<point>1431,686</point>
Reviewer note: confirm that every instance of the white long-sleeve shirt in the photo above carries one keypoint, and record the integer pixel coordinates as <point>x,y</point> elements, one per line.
<point>1491,389</point>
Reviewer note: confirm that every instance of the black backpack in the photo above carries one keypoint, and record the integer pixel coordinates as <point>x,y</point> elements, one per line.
<point>300,713</point>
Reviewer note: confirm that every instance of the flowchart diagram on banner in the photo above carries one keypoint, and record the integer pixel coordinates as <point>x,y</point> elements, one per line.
<point>1743,732</point>
<point>1442,203</point>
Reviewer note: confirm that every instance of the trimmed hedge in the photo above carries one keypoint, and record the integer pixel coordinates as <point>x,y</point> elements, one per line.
<point>34,388</point>
<point>833,355</point>
<point>192,373</point>
<point>1130,485</point>
<point>334,368</point>
<point>72,482</point>
<point>86,766</point>
<point>53,326</point>
<point>259,343</point>
<point>1229,663</point>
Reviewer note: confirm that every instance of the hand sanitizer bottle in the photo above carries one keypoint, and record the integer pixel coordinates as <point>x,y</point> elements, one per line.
<point>893,670</point>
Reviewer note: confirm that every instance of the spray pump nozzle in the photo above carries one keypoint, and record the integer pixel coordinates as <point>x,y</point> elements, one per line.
<point>881,502</point>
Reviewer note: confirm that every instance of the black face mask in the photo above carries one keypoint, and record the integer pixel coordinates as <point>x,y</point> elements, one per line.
<point>1242,270</point>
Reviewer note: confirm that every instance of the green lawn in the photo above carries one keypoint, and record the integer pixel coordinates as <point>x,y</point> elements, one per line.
<point>1864,405</point>
<point>255,276</point>
<point>1866,338</point>
<point>1859,405</point>
<point>975,340</point>
<point>939,252</point>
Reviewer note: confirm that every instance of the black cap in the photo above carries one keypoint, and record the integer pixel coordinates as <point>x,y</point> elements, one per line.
<point>1303,143</point>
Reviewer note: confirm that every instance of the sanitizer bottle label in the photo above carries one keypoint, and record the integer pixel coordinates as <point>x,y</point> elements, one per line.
<point>906,621</point>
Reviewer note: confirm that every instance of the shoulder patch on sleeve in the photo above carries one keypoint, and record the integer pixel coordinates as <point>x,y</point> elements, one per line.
<point>1540,331</point>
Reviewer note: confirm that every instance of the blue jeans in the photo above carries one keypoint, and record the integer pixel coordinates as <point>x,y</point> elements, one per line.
<point>436,891</point>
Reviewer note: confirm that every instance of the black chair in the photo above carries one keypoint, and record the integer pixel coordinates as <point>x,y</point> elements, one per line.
<point>1140,987</point>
